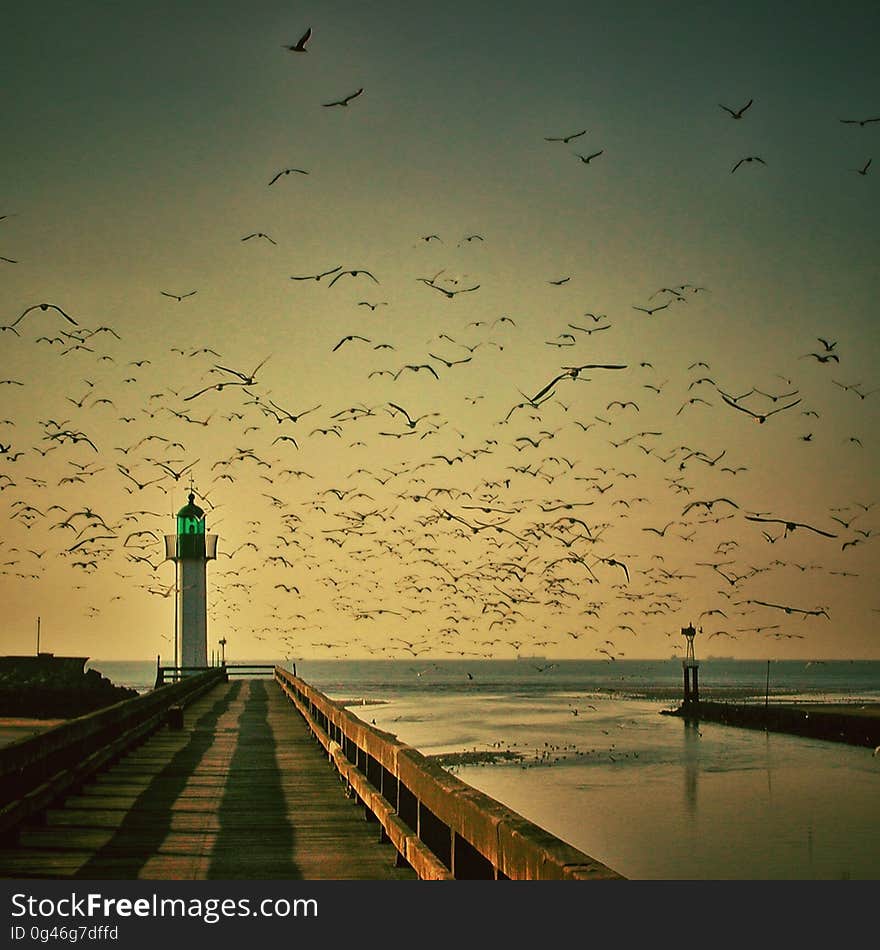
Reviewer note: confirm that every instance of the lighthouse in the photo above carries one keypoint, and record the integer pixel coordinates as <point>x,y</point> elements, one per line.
<point>191,549</point>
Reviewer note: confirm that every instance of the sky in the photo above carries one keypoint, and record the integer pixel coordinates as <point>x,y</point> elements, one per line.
<point>558,336</point>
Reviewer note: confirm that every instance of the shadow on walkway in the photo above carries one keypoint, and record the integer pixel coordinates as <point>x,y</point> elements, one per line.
<point>148,822</point>
<point>256,840</point>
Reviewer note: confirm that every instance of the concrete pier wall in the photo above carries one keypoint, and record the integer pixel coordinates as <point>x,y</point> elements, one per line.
<point>853,724</point>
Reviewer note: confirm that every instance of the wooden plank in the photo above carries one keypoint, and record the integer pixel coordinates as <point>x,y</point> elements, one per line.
<point>242,792</point>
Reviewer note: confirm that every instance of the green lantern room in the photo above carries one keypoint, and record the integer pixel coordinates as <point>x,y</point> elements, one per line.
<point>191,530</point>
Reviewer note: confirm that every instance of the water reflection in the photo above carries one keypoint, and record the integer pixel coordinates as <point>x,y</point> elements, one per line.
<point>691,760</point>
<point>625,785</point>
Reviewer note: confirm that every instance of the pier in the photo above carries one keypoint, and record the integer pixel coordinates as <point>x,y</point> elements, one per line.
<point>848,723</point>
<point>254,777</point>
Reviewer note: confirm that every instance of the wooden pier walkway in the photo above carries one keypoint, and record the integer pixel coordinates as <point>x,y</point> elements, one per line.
<point>241,792</point>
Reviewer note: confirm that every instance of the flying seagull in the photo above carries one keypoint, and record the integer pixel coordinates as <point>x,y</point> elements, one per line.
<point>586,159</point>
<point>790,526</point>
<point>565,138</point>
<point>760,417</point>
<point>822,357</point>
<point>177,297</point>
<point>247,378</point>
<point>318,276</point>
<point>348,339</point>
<point>259,234</point>
<point>44,306</point>
<point>737,113</point>
<point>300,45</point>
<point>818,612</point>
<point>352,273</point>
<point>345,100</point>
<point>651,310</point>
<point>450,293</point>
<point>748,158</point>
<point>287,171</point>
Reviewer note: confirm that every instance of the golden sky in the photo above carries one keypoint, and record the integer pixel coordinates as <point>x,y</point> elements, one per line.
<point>484,373</point>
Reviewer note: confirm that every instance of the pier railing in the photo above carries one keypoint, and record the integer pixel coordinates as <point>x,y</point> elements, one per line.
<point>250,669</point>
<point>174,674</point>
<point>442,827</point>
<point>38,771</point>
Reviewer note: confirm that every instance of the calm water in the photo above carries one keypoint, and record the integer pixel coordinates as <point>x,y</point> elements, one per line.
<point>642,792</point>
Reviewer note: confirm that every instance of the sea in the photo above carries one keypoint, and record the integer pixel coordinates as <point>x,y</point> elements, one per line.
<point>582,749</point>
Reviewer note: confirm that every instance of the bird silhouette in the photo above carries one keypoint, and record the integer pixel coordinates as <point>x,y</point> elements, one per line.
<point>707,504</point>
<point>864,169</point>
<point>818,612</point>
<point>760,417</point>
<point>247,378</point>
<point>348,339</point>
<point>416,368</point>
<point>586,159</point>
<point>353,273</point>
<point>300,45</point>
<point>177,297</point>
<point>176,474</point>
<point>450,363</point>
<point>748,158</point>
<point>344,101</point>
<point>822,357</point>
<point>790,526</point>
<point>259,234</point>
<point>737,113</point>
<point>446,291</point>
<point>661,531</point>
<point>44,307</point>
<point>651,310</point>
<point>325,273</point>
<point>565,138</point>
<point>589,330</point>
<point>287,171</point>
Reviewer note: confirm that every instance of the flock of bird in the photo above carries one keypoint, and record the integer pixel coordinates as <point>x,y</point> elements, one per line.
<point>438,515</point>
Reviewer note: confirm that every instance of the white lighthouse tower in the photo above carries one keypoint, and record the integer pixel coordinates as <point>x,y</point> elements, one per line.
<point>191,549</point>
